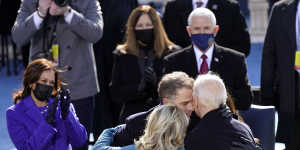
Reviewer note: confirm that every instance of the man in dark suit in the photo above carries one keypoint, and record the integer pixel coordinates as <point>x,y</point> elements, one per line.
<point>271,3</point>
<point>280,80</point>
<point>205,55</point>
<point>233,28</point>
<point>217,129</point>
<point>174,88</point>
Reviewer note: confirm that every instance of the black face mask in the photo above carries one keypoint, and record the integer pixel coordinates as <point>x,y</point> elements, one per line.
<point>145,36</point>
<point>42,92</point>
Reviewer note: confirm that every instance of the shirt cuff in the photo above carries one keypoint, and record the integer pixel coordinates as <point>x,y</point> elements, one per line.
<point>37,20</point>
<point>69,16</point>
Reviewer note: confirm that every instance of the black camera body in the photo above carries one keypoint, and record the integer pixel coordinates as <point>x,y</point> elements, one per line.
<point>62,3</point>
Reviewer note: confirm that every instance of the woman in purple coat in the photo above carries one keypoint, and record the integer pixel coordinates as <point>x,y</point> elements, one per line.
<point>42,116</point>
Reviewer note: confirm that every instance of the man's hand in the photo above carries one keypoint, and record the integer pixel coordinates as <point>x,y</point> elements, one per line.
<point>57,11</point>
<point>44,5</point>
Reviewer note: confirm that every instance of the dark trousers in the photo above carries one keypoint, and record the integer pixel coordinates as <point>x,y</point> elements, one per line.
<point>295,135</point>
<point>84,110</point>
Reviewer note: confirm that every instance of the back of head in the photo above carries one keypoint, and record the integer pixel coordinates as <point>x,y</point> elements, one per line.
<point>172,82</point>
<point>165,129</point>
<point>210,91</point>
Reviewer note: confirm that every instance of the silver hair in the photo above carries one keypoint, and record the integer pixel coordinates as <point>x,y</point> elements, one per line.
<point>210,90</point>
<point>200,12</point>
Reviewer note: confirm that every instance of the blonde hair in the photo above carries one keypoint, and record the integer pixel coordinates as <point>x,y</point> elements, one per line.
<point>161,40</point>
<point>165,129</point>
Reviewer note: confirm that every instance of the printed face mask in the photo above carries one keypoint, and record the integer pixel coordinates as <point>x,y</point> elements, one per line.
<point>202,40</point>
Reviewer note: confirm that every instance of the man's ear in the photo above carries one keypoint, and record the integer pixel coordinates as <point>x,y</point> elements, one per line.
<point>216,30</point>
<point>188,30</point>
<point>195,103</point>
<point>165,100</point>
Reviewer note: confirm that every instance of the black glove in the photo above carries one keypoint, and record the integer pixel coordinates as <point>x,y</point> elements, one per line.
<point>65,100</point>
<point>150,77</point>
<point>51,114</point>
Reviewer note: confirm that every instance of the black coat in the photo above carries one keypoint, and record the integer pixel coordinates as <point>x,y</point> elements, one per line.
<point>278,76</point>
<point>227,63</point>
<point>233,31</point>
<point>217,132</point>
<point>8,14</point>
<point>126,77</point>
<point>135,126</point>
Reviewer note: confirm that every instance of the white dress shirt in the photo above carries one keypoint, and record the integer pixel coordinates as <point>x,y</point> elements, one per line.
<point>204,3</point>
<point>38,20</point>
<point>208,53</point>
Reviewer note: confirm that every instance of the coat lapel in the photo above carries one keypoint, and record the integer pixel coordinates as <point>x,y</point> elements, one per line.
<point>192,62</point>
<point>216,59</point>
<point>31,110</point>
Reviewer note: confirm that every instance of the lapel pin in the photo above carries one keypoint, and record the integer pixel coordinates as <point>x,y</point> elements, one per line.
<point>216,59</point>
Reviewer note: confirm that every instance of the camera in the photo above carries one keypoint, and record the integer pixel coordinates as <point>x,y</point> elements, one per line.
<point>62,3</point>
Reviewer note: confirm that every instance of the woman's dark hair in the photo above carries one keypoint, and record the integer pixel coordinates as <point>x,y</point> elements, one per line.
<point>231,104</point>
<point>32,74</point>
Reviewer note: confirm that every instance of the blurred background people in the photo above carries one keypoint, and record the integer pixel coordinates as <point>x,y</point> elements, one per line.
<point>42,116</point>
<point>271,3</point>
<point>138,62</point>
<point>280,79</point>
<point>115,16</point>
<point>233,28</point>
<point>206,55</point>
<point>165,129</point>
<point>69,28</point>
<point>8,7</point>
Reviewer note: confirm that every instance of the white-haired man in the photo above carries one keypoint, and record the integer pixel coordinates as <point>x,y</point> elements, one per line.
<point>205,55</point>
<point>217,130</point>
<point>234,33</point>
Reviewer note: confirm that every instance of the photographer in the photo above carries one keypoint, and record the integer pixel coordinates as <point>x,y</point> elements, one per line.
<point>42,116</point>
<point>71,27</point>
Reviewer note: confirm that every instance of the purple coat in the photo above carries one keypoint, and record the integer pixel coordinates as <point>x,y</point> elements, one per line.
<point>29,130</point>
